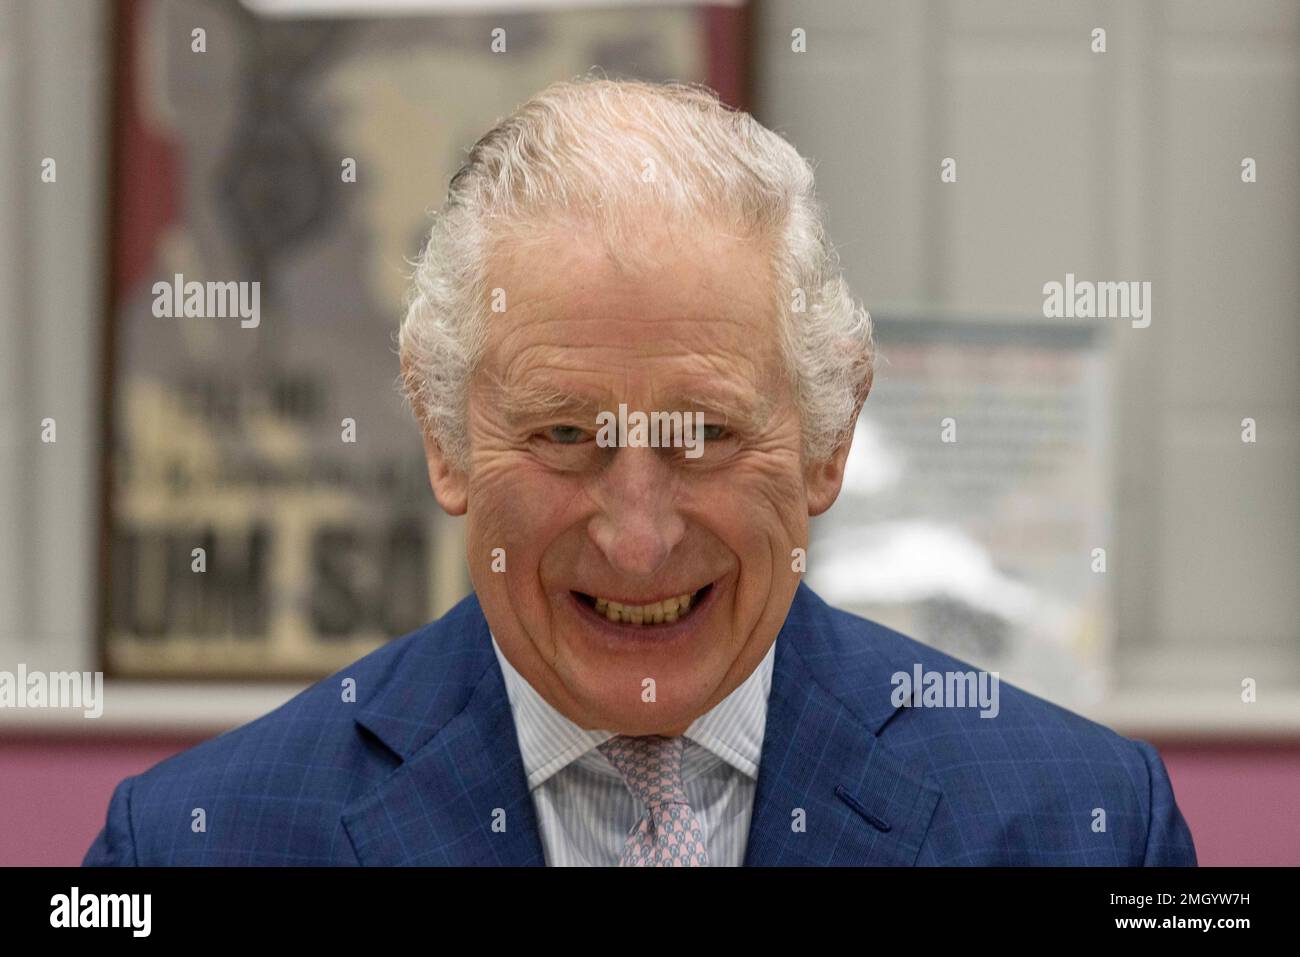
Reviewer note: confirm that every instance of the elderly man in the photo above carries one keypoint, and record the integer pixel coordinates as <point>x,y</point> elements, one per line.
<point>637,371</point>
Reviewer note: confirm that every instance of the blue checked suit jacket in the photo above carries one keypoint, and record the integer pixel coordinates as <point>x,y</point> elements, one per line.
<point>415,771</point>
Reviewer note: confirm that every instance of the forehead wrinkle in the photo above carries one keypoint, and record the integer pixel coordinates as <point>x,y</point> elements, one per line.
<point>712,382</point>
<point>715,333</point>
<point>582,306</point>
<point>522,401</point>
<point>519,400</point>
<point>584,303</point>
<point>558,369</point>
<point>746,407</point>
<point>539,390</point>
<point>711,357</point>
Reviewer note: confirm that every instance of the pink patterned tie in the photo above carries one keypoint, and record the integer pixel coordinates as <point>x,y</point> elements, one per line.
<point>669,833</point>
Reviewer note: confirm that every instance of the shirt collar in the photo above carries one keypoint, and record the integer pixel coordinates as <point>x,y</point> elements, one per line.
<point>549,741</point>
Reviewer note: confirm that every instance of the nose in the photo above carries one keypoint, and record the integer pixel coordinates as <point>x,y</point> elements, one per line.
<point>636,526</point>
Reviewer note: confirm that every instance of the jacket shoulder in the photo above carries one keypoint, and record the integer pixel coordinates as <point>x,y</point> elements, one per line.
<point>272,791</point>
<point>1023,780</point>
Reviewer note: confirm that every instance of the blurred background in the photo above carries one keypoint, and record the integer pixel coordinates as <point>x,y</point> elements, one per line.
<point>1104,511</point>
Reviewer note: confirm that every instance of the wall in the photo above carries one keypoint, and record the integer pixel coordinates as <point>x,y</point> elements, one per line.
<point>1239,800</point>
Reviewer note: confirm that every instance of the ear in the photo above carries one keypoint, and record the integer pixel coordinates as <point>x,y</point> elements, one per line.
<point>450,485</point>
<point>824,479</point>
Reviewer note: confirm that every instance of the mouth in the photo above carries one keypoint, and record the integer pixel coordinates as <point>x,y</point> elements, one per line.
<point>648,616</point>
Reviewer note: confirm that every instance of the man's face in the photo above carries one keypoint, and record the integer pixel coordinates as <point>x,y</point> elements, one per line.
<point>695,331</point>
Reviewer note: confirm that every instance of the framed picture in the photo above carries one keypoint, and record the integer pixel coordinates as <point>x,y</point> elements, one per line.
<point>976,495</point>
<point>266,505</point>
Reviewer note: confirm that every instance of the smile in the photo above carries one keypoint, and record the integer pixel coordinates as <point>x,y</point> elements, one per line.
<point>663,612</point>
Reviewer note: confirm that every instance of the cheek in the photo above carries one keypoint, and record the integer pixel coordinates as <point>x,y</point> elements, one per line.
<point>767,520</point>
<point>761,500</point>
<point>518,509</point>
<point>757,510</point>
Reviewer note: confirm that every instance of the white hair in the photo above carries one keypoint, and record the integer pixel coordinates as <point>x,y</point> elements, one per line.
<point>602,151</point>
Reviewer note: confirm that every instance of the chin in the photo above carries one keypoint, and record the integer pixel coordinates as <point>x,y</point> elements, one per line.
<point>647,692</point>
<point>659,717</point>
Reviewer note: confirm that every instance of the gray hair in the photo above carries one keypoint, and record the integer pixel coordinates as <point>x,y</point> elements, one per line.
<point>581,150</point>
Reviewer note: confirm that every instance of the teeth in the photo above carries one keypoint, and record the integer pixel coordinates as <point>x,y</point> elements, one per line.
<point>656,613</point>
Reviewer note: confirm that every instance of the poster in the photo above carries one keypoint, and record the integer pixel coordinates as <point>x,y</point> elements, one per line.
<point>268,512</point>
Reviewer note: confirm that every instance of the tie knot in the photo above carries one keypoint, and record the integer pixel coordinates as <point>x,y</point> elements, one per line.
<point>651,767</point>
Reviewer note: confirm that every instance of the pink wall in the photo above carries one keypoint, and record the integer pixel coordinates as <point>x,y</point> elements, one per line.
<point>1240,800</point>
<point>54,791</point>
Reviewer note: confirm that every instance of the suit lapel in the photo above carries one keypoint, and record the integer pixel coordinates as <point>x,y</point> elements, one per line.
<point>460,797</point>
<point>823,767</point>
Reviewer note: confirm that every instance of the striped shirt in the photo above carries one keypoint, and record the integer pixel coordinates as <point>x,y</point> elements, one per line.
<point>585,811</point>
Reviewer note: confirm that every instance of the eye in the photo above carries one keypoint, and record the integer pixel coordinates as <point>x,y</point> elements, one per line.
<point>565,434</point>
<point>712,433</point>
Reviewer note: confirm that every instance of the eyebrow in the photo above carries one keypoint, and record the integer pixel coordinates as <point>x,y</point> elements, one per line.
<point>738,413</point>
<point>522,403</point>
